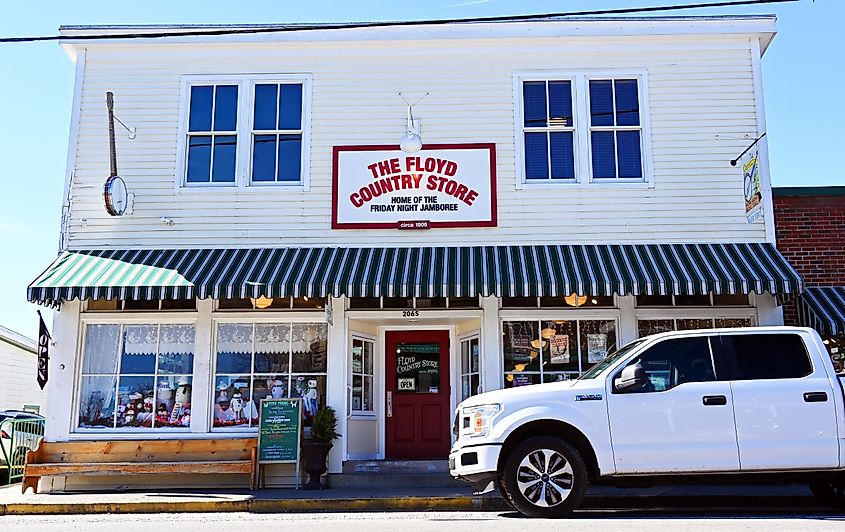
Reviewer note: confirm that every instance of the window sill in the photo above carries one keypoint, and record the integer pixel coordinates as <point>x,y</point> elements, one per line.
<point>252,188</point>
<point>551,185</point>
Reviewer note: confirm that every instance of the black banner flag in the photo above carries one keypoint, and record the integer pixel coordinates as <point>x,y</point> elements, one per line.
<point>43,351</point>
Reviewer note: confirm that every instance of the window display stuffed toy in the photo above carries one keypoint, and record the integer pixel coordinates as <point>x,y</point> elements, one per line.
<point>309,398</point>
<point>165,394</point>
<point>237,406</point>
<point>182,402</point>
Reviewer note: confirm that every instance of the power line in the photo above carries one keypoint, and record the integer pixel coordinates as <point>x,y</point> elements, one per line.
<point>357,25</point>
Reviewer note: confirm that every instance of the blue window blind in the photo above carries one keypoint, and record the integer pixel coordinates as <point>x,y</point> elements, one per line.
<point>212,120</point>
<point>548,130</point>
<point>277,133</point>
<point>615,129</point>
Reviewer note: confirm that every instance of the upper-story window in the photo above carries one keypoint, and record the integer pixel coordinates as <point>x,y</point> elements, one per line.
<point>245,131</point>
<point>615,130</point>
<point>212,134</point>
<point>277,133</point>
<point>549,130</point>
<point>581,128</point>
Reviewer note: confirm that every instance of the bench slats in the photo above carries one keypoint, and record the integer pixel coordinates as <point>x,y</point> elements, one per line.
<point>133,468</point>
<point>140,457</point>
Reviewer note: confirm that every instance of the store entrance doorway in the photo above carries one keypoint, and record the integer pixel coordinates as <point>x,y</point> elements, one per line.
<point>417,394</point>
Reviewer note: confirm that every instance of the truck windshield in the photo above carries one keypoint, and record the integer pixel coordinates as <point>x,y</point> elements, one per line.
<point>593,372</point>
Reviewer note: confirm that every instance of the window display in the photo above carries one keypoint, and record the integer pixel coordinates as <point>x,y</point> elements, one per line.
<point>258,361</point>
<point>549,351</point>
<point>136,376</point>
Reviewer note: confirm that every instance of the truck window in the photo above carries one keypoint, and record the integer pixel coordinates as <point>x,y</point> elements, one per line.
<point>768,356</point>
<point>675,361</point>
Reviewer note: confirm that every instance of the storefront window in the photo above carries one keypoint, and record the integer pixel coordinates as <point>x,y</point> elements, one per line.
<point>548,351</point>
<point>648,327</point>
<point>137,376</point>
<point>470,367</point>
<point>258,361</point>
<point>362,376</point>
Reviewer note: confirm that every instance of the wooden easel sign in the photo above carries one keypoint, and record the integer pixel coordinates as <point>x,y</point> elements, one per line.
<point>280,433</point>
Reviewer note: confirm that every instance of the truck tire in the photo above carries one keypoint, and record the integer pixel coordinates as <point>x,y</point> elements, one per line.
<point>545,477</point>
<point>500,485</point>
<point>830,491</point>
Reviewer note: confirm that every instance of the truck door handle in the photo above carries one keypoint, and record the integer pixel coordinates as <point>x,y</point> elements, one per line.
<point>714,400</point>
<point>815,397</point>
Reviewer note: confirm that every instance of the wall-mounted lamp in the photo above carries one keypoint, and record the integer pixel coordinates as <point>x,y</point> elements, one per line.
<point>411,141</point>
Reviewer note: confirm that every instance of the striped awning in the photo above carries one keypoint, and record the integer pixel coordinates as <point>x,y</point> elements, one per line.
<point>548,270</point>
<point>823,308</point>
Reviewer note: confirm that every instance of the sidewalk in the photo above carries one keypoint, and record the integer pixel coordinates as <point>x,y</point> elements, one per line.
<point>718,498</point>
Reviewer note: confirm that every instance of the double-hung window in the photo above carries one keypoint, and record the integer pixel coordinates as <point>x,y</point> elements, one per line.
<point>615,129</point>
<point>582,128</point>
<point>548,130</point>
<point>212,134</point>
<point>247,130</point>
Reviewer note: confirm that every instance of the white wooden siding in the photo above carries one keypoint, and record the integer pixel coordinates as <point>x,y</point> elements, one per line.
<point>699,87</point>
<point>18,367</point>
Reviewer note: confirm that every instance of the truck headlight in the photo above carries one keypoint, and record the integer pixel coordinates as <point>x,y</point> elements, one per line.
<point>476,421</point>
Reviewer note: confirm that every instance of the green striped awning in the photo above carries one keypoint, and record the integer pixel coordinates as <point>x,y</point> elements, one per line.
<point>549,270</point>
<point>823,308</point>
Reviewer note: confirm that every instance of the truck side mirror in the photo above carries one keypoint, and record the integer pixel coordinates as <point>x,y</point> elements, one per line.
<point>632,377</point>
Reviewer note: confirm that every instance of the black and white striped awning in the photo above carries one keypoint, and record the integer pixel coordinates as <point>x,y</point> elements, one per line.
<point>541,270</point>
<point>823,308</point>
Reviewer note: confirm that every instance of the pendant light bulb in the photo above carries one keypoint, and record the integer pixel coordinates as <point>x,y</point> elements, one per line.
<point>411,141</point>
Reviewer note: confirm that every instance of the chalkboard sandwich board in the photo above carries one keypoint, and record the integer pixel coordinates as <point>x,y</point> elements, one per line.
<point>280,431</point>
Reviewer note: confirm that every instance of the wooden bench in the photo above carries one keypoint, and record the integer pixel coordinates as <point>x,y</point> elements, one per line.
<point>138,457</point>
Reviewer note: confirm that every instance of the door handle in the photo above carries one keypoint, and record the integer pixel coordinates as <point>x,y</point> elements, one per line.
<point>815,397</point>
<point>714,400</point>
<point>389,403</point>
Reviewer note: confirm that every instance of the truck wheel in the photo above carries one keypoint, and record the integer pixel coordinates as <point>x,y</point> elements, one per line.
<point>500,484</point>
<point>830,491</point>
<point>545,477</point>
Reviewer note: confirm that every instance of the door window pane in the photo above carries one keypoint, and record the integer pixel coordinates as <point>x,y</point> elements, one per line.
<point>418,368</point>
<point>362,375</point>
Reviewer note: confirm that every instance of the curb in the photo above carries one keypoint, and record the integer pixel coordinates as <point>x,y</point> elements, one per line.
<point>714,504</point>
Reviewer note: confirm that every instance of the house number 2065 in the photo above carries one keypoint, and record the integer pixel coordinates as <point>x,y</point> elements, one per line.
<point>410,313</point>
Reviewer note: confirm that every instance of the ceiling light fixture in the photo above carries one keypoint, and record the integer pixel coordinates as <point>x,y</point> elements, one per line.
<point>574,300</point>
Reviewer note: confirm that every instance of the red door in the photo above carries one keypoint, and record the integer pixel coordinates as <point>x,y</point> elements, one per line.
<point>417,402</point>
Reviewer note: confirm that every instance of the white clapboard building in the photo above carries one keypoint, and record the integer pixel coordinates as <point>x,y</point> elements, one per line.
<point>388,219</point>
<point>19,364</point>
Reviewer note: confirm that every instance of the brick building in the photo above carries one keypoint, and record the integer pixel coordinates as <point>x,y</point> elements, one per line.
<point>810,229</point>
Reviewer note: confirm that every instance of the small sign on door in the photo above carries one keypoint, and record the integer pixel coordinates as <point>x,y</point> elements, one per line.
<point>406,384</point>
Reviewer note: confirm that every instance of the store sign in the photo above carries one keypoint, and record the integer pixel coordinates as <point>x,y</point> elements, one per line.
<point>750,164</point>
<point>382,187</point>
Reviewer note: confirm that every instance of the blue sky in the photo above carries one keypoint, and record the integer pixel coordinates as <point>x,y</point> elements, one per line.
<point>803,71</point>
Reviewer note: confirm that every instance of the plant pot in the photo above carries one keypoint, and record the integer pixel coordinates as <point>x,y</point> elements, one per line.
<point>314,455</point>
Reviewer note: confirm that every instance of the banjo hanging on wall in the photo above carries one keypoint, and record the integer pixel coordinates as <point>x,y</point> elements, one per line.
<point>115,194</point>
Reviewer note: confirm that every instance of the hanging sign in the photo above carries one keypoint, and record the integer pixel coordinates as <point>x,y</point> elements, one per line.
<point>43,352</point>
<point>750,164</point>
<point>442,185</point>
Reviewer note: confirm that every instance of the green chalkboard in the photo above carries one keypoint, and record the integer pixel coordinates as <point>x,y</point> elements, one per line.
<point>280,431</point>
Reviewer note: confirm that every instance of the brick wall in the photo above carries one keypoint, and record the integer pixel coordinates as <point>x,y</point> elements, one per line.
<point>810,232</point>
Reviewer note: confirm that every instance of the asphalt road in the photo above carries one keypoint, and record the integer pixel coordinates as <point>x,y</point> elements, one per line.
<point>586,521</point>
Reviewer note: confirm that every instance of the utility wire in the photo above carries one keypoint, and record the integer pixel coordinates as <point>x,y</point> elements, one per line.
<point>357,25</point>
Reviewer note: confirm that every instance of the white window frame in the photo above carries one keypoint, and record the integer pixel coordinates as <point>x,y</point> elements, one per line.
<point>469,338</point>
<point>363,414</point>
<point>243,156</point>
<point>158,319</point>
<point>581,118</point>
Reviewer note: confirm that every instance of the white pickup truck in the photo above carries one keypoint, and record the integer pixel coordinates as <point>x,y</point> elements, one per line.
<point>760,405</point>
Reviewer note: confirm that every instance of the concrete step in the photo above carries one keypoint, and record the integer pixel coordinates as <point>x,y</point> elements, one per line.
<point>391,474</point>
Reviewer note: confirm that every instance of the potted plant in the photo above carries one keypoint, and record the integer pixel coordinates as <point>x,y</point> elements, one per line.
<point>315,450</point>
